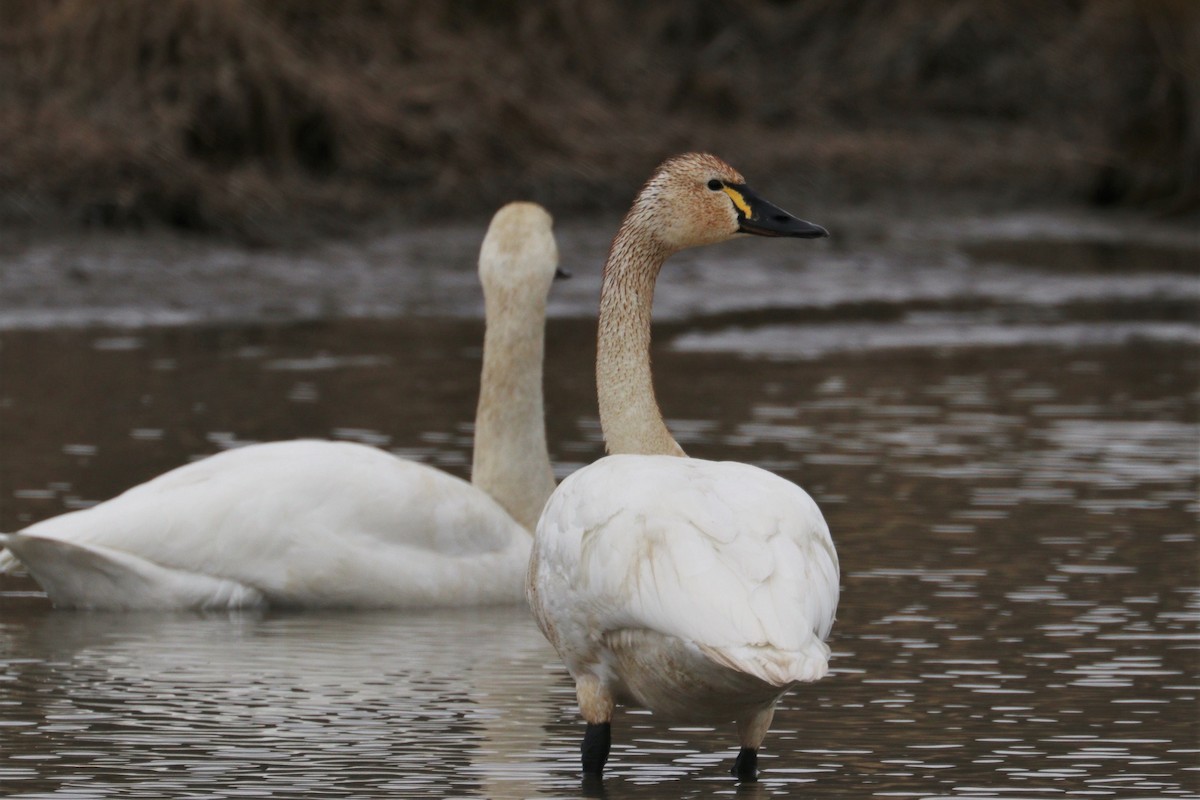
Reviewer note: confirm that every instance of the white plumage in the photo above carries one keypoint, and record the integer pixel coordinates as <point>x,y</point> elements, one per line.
<point>319,523</point>
<point>701,590</point>
<point>300,523</point>
<point>735,563</point>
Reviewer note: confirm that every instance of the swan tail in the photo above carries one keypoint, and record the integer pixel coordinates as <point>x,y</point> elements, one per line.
<point>772,665</point>
<point>9,563</point>
<point>86,576</point>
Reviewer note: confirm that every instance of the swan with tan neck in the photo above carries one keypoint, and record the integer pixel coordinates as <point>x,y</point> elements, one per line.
<point>700,590</point>
<point>310,523</point>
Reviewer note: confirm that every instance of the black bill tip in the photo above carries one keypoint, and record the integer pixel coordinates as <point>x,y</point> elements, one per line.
<point>783,225</point>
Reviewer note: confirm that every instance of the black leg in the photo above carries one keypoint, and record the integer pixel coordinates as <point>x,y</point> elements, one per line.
<point>596,741</point>
<point>592,787</point>
<point>746,766</point>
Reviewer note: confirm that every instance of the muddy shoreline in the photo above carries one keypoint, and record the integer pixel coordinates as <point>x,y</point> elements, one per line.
<point>119,279</point>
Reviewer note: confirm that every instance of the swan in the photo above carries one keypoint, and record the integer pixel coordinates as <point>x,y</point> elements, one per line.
<point>310,523</point>
<point>700,590</point>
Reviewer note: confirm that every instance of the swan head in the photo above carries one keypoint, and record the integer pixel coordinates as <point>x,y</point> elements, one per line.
<point>697,199</point>
<point>519,254</point>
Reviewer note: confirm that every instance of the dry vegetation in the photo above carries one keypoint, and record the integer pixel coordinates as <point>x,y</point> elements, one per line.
<point>244,116</point>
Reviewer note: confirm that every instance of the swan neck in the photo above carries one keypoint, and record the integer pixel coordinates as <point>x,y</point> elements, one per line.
<point>629,413</point>
<point>510,461</point>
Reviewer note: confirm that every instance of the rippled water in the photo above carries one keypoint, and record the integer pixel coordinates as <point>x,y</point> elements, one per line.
<point>1005,446</point>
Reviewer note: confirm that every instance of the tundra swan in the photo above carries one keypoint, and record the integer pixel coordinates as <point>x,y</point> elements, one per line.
<point>317,523</point>
<point>700,590</point>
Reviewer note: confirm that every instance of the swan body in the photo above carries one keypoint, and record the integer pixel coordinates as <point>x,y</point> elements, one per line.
<point>701,590</point>
<point>334,524</point>
<point>266,524</point>
<point>658,547</point>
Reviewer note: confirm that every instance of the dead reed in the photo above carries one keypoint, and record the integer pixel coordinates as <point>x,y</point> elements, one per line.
<point>241,115</point>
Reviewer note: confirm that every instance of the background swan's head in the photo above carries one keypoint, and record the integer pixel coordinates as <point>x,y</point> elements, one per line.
<point>519,254</point>
<point>697,199</point>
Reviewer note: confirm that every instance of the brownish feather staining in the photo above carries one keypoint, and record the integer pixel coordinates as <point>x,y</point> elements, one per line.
<point>595,701</point>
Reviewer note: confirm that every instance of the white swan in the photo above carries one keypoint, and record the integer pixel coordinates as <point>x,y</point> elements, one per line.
<point>317,523</point>
<point>700,590</point>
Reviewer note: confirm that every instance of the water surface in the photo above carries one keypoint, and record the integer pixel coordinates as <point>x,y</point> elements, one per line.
<point>998,420</point>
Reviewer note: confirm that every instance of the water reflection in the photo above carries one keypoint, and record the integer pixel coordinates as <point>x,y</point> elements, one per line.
<point>144,704</point>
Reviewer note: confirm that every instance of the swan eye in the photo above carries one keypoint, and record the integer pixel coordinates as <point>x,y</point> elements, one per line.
<point>715,185</point>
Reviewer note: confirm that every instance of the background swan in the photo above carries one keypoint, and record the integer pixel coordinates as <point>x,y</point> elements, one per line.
<point>319,523</point>
<point>700,590</point>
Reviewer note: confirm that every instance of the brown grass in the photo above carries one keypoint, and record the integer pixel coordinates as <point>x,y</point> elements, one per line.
<point>241,116</point>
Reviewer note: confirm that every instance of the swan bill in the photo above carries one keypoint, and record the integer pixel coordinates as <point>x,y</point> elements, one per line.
<point>762,218</point>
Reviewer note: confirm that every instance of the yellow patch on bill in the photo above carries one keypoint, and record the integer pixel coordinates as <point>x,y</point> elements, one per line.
<point>739,201</point>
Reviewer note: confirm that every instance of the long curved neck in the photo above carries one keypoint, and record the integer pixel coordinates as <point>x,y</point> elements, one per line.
<point>511,462</point>
<point>629,413</point>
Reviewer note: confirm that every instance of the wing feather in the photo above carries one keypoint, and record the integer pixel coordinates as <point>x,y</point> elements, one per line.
<point>729,557</point>
<point>311,523</point>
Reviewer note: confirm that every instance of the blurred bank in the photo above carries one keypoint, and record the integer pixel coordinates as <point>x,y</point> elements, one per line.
<point>268,119</point>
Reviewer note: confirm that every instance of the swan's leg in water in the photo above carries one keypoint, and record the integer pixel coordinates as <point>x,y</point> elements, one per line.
<point>745,768</point>
<point>751,731</point>
<point>596,742</point>
<point>596,706</point>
